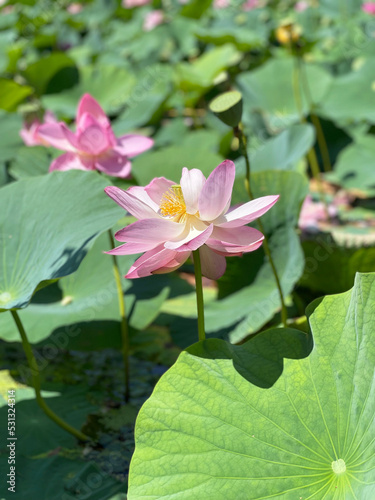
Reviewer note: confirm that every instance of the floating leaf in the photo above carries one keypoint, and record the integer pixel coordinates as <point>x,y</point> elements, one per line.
<point>47,224</point>
<point>206,432</point>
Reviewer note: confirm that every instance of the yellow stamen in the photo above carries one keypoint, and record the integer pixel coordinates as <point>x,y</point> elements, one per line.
<point>172,204</point>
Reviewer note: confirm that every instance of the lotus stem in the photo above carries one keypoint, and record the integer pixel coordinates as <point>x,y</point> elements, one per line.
<point>124,323</point>
<point>242,139</point>
<point>322,143</point>
<point>199,294</point>
<point>311,155</point>
<point>37,385</point>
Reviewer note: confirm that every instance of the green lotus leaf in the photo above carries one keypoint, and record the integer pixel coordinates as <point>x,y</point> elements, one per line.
<point>206,432</point>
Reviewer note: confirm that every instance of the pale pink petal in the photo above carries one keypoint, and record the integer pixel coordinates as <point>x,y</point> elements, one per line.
<point>157,188</point>
<point>129,4</point>
<point>59,136</point>
<point>134,200</point>
<point>192,229</point>
<point>247,212</point>
<point>153,19</point>
<point>114,164</point>
<point>179,259</point>
<point>93,140</point>
<point>217,191</point>
<point>89,105</point>
<point>131,248</point>
<point>150,262</point>
<point>70,161</point>
<point>192,182</point>
<point>29,134</point>
<point>49,117</point>
<point>235,240</point>
<point>213,265</point>
<point>152,230</point>
<point>133,145</point>
<point>191,242</point>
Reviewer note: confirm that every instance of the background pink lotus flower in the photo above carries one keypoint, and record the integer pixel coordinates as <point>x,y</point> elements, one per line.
<point>74,8</point>
<point>30,133</point>
<point>221,4</point>
<point>369,7</point>
<point>129,4</point>
<point>93,146</point>
<point>251,5</point>
<point>153,19</point>
<point>174,220</point>
<point>301,6</point>
<point>313,213</point>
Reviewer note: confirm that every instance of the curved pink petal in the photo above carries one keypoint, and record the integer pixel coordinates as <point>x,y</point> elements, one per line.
<point>174,264</point>
<point>134,200</point>
<point>133,145</point>
<point>150,262</point>
<point>213,265</point>
<point>191,242</point>
<point>70,161</point>
<point>247,212</point>
<point>157,188</point>
<point>235,240</point>
<point>30,136</point>
<point>90,106</point>
<point>131,248</point>
<point>192,182</point>
<point>113,164</point>
<point>150,230</point>
<point>93,139</point>
<point>217,191</point>
<point>59,136</point>
<point>191,229</point>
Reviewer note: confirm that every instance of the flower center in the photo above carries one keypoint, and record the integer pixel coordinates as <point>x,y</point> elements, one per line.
<point>172,204</point>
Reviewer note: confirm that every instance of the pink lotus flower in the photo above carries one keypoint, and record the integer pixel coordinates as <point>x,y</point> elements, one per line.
<point>221,4</point>
<point>175,220</point>
<point>74,8</point>
<point>30,133</point>
<point>313,213</point>
<point>301,6</point>
<point>129,4</point>
<point>369,7</point>
<point>251,5</point>
<point>93,146</point>
<point>153,19</point>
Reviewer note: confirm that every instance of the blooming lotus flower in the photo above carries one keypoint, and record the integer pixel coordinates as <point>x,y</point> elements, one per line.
<point>369,7</point>
<point>251,5</point>
<point>221,4</point>
<point>153,19</point>
<point>174,220</point>
<point>93,146</point>
<point>301,6</point>
<point>129,4</point>
<point>30,133</point>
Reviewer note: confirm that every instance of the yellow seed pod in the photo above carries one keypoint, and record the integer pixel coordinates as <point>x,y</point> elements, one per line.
<point>288,34</point>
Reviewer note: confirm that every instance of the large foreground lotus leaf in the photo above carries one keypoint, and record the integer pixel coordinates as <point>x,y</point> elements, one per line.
<point>46,226</point>
<point>269,90</point>
<point>206,432</point>
<point>87,300</point>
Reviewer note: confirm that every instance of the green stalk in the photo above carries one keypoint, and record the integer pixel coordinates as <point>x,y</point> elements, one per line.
<point>37,386</point>
<point>322,143</point>
<point>124,322</point>
<point>241,137</point>
<point>199,293</point>
<point>311,155</point>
